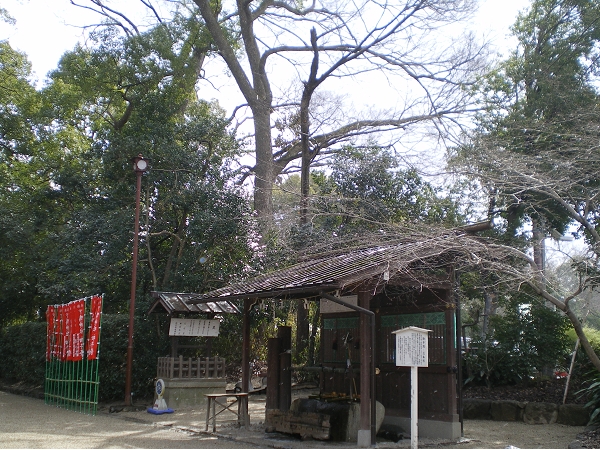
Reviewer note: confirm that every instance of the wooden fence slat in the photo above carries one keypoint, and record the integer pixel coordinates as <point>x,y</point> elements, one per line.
<point>169,367</point>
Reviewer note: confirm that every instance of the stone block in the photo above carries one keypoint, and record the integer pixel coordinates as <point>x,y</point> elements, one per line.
<point>540,413</point>
<point>507,410</point>
<point>477,409</point>
<point>574,415</point>
<point>344,416</point>
<point>190,392</point>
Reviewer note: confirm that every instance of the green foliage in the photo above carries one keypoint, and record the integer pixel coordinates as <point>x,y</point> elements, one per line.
<point>23,352</point>
<point>584,373</point>
<point>150,342</point>
<point>25,204</point>
<point>526,338</point>
<point>541,107</point>
<point>67,188</point>
<point>367,186</point>
<point>592,392</point>
<point>365,192</point>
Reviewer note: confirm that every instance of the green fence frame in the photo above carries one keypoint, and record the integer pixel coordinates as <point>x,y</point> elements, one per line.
<point>72,355</point>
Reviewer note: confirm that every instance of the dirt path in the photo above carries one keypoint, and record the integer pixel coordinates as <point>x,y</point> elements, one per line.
<point>491,434</point>
<point>28,423</point>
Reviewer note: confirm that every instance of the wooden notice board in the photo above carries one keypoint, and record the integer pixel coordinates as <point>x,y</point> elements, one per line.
<point>412,345</point>
<point>194,327</point>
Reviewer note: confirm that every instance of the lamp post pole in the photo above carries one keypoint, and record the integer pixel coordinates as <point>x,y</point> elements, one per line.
<point>140,165</point>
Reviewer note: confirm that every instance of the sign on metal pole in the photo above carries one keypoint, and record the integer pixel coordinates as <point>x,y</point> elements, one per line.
<point>412,350</point>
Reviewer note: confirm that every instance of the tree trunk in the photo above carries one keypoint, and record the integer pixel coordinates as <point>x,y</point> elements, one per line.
<point>539,251</point>
<point>263,176</point>
<point>309,89</point>
<point>489,310</point>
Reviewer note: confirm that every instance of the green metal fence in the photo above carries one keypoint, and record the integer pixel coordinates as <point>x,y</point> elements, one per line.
<point>72,354</point>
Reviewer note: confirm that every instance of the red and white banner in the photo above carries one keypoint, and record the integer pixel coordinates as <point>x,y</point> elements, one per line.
<point>77,315</point>
<point>94,328</point>
<point>66,330</point>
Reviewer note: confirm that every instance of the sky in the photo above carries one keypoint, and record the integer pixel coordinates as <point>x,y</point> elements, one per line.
<point>46,29</point>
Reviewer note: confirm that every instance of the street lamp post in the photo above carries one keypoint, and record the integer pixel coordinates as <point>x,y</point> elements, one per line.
<point>140,165</point>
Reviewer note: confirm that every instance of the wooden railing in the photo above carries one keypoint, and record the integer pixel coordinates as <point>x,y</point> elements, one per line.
<point>181,367</point>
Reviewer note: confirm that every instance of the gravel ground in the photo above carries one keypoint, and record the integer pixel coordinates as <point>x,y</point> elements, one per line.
<point>28,423</point>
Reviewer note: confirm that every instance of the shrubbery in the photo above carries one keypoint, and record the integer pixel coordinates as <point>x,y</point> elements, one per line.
<point>525,340</point>
<point>586,374</point>
<point>23,350</point>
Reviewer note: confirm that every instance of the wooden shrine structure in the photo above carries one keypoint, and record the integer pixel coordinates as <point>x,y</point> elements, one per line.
<point>189,378</point>
<point>365,295</point>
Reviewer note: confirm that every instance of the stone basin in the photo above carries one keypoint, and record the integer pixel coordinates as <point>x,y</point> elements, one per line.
<point>344,416</point>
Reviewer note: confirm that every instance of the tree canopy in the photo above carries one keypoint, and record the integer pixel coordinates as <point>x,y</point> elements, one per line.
<point>67,199</point>
<point>535,151</point>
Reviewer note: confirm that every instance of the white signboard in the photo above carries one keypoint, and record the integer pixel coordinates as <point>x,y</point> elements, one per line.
<point>412,347</point>
<point>327,306</point>
<point>194,327</point>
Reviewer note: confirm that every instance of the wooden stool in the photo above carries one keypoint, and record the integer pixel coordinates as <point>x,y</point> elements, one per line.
<point>241,400</point>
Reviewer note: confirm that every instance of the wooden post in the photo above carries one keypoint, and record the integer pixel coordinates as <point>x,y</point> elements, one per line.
<point>272,374</point>
<point>364,300</point>
<point>451,360</point>
<point>246,346</point>
<point>174,346</point>
<point>414,407</point>
<point>284,335</point>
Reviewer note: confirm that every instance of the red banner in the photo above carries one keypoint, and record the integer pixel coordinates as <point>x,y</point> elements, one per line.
<point>94,328</point>
<point>66,339</point>
<point>67,343</point>
<point>76,337</point>
<point>62,332</point>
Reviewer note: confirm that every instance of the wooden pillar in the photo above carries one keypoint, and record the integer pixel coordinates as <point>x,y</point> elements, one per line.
<point>366,352</point>
<point>209,346</point>
<point>284,334</point>
<point>246,345</point>
<point>451,361</point>
<point>273,374</point>
<point>174,346</point>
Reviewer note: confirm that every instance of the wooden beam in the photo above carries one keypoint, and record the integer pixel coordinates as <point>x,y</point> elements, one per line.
<point>364,301</point>
<point>246,345</point>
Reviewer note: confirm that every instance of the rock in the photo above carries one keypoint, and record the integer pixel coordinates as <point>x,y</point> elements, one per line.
<point>477,409</point>
<point>574,415</point>
<point>507,410</point>
<point>540,413</point>
<point>344,416</point>
<point>392,432</point>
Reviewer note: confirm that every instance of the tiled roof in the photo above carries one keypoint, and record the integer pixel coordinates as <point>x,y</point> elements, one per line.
<point>174,302</point>
<point>334,272</point>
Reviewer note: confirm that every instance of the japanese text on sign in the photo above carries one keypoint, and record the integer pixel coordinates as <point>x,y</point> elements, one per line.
<point>194,327</point>
<point>411,349</point>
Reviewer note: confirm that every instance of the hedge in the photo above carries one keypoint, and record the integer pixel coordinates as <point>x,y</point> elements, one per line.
<point>23,350</point>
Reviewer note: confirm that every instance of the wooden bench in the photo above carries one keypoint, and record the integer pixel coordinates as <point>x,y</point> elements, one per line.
<point>241,412</point>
